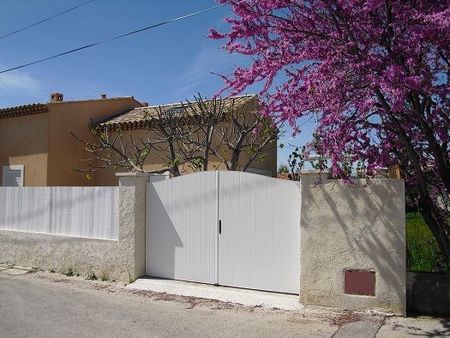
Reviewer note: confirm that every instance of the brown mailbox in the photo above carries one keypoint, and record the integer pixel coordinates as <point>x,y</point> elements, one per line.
<point>359,282</point>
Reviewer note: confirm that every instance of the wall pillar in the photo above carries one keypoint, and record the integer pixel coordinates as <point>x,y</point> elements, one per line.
<point>353,243</point>
<point>132,224</point>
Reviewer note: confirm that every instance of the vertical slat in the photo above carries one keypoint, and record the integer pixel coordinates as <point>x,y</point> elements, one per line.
<point>216,237</point>
<point>181,228</point>
<point>259,247</point>
<point>72,211</point>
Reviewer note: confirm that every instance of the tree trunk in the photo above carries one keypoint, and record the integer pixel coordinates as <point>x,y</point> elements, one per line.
<point>435,224</point>
<point>426,204</point>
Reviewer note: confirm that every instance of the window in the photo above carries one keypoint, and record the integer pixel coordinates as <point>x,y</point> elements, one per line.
<point>175,110</point>
<point>13,175</point>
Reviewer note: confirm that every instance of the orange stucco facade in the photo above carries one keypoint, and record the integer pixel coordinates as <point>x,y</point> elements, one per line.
<point>24,140</point>
<point>44,145</point>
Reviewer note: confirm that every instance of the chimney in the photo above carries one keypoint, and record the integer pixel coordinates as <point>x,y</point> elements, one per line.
<point>103,96</point>
<point>56,97</point>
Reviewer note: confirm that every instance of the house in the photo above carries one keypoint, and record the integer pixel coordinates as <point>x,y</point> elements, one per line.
<point>137,122</point>
<point>37,147</point>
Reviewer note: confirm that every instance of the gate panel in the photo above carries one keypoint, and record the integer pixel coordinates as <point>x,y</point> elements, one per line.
<point>182,228</point>
<point>259,244</point>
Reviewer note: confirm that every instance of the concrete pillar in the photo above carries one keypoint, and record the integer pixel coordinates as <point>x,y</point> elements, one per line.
<point>351,236</point>
<point>132,225</point>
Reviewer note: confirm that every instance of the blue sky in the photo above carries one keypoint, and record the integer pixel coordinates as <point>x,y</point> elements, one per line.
<point>163,65</point>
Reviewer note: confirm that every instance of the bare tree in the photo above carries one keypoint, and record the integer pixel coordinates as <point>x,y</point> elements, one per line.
<point>185,137</point>
<point>244,130</point>
<point>165,128</point>
<point>199,142</point>
<point>110,151</point>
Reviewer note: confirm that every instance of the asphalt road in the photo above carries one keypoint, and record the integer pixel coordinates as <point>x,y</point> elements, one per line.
<point>50,305</point>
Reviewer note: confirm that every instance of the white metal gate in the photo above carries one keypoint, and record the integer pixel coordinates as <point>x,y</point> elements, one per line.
<point>228,228</point>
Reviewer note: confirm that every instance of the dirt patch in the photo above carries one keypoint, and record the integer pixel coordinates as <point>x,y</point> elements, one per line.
<point>119,289</point>
<point>307,314</point>
<point>60,281</point>
<point>409,327</point>
<point>346,317</point>
<point>191,302</point>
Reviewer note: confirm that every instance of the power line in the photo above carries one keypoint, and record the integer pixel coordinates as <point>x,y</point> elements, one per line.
<point>111,39</point>
<point>44,20</point>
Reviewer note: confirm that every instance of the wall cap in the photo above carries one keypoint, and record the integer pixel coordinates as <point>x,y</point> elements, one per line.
<point>133,174</point>
<point>314,171</point>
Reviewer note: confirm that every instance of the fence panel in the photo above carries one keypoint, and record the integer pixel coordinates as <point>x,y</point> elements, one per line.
<point>230,228</point>
<point>72,211</point>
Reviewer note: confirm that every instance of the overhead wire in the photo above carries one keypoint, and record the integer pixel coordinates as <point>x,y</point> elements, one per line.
<point>45,20</point>
<point>111,38</point>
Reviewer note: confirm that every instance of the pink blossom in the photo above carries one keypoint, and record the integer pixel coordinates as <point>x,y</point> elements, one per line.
<point>375,72</point>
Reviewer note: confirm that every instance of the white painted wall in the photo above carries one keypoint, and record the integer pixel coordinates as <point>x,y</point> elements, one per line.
<point>90,212</point>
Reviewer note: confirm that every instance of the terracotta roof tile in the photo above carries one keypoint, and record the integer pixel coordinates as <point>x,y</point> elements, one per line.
<point>137,118</point>
<point>30,109</point>
<point>284,176</point>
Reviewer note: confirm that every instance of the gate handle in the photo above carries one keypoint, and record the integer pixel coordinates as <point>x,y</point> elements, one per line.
<point>220,226</point>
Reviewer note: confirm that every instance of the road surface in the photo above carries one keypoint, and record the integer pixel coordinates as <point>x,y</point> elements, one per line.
<point>51,305</point>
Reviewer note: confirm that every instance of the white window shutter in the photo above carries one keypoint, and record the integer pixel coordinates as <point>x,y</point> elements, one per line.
<point>13,175</point>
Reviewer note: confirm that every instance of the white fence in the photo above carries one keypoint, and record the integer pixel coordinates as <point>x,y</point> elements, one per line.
<point>71,211</point>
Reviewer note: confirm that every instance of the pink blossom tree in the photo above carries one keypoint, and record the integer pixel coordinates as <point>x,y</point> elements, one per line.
<point>374,72</point>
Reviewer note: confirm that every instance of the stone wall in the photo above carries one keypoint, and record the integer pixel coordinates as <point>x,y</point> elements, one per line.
<point>428,293</point>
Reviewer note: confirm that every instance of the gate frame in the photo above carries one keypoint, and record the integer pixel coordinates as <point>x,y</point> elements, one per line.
<point>236,256</point>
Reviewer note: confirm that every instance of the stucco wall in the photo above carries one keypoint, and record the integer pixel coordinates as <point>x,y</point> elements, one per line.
<point>360,226</point>
<point>82,255</point>
<point>132,199</point>
<point>44,145</point>
<point>120,260</point>
<point>65,153</point>
<point>24,141</point>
